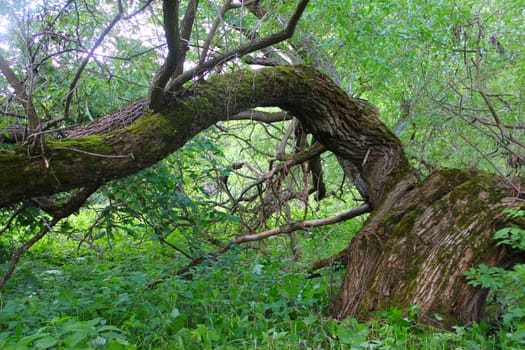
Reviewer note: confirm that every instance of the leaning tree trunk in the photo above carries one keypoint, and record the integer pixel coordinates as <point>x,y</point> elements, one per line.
<point>416,244</point>
<point>419,250</point>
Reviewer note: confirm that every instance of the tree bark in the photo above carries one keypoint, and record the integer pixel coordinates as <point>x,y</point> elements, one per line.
<point>348,127</point>
<point>419,251</point>
<point>416,244</point>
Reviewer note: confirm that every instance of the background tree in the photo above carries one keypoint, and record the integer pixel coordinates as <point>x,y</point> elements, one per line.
<point>191,62</point>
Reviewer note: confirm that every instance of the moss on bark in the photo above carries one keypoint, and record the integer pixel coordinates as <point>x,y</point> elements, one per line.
<point>348,127</point>
<point>430,239</point>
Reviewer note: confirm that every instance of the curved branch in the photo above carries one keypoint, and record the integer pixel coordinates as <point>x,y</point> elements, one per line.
<point>348,127</point>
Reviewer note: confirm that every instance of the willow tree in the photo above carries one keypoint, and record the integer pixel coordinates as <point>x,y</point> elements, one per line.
<point>421,234</point>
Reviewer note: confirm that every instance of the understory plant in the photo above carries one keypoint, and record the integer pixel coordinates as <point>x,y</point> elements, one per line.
<point>506,301</point>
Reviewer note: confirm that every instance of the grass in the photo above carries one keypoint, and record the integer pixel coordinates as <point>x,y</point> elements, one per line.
<point>61,299</point>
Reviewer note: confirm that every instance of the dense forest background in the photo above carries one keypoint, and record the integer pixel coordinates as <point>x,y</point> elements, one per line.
<point>233,241</point>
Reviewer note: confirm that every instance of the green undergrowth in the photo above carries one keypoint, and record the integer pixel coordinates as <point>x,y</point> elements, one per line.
<point>63,299</point>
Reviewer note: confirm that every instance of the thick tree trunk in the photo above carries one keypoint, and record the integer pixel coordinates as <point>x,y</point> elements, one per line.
<point>348,127</point>
<point>419,250</point>
<point>416,244</point>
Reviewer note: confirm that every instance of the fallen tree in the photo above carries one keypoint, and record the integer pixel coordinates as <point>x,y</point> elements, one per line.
<point>418,241</point>
<point>421,235</point>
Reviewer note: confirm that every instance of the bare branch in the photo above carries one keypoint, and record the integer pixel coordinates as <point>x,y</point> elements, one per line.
<point>504,132</point>
<point>280,150</point>
<point>242,50</point>
<point>131,57</point>
<point>287,229</point>
<point>297,159</point>
<point>213,30</point>
<point>260,116</point>
<point>86,59</point>
<point>301,225</point>
<point>21,94</point>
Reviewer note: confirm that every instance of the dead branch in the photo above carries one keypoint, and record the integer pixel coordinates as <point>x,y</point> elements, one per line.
<point>295,226</point>
<point>58,213</point>
<point>299,158</point>
<point>286,229</point>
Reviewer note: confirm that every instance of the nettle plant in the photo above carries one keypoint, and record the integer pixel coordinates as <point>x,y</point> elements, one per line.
<point>506,287</point>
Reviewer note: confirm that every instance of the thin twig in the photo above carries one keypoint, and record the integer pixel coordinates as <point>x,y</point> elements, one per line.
<point>86,59</point>
<point>242,50</point>
<point>130,155</point>
<point>206,46</point>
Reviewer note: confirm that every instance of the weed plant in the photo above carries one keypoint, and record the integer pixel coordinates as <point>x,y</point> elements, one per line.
<point>61,298</point>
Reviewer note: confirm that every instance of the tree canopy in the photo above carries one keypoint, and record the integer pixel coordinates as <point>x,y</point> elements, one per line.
<point>254,116</point>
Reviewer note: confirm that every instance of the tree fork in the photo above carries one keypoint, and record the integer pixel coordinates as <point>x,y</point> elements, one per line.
<point>348,127</point>
<point>415,245</point>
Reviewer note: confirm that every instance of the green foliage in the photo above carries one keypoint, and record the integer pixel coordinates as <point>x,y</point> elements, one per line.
<point>141,229</point>
<point>506,287</point>
<point>513,236</point>
<point>244,300</point>
<point>425,66</point>
<point>42,35</point>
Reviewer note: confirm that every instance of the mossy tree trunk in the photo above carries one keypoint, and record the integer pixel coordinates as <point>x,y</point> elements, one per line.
<point>106,150</point>
<point>419,250</point>
<point>417,242</point>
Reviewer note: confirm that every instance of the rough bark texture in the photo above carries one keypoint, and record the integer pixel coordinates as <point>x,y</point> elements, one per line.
<point>349,127</point>
<point>416,244</point>
<point>420,250</point>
